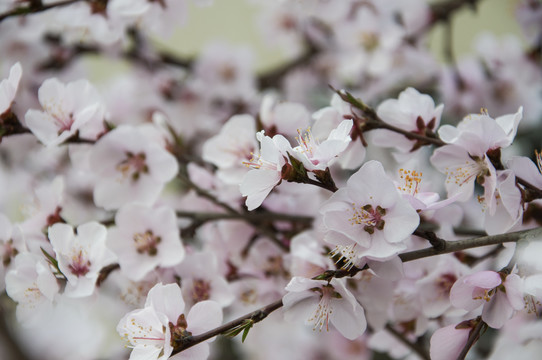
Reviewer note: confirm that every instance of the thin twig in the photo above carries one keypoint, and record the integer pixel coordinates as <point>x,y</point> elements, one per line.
<point>251,216</point>
<point>412,346</point>
<point>31,9</point>
<point>255,316</point>
<point>451,246</point>
<point>474,335</point>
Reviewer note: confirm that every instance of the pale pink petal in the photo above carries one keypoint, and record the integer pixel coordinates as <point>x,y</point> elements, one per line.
<point>204,316</point>
<point>349,320</point>
<point>166,299</point>
<point>447,342</point>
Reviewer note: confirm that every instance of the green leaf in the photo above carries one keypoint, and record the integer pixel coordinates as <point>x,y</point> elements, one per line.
<point>298,166</point>
<point>53,262</point>
<point>51,259</point>
<point>247,329</point>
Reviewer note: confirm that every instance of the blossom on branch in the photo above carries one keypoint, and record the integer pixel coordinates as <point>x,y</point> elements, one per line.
<point>68,109</point>
<point>132,164</point>
<point>80,256</point>
<point>145,238</point>
<point>368,218</point>
<point>266,169</point>
<point>8,88</point>
<point>154,331</point>
<point>320,303</point>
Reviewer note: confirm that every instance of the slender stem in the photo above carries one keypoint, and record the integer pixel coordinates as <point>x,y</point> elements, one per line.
<point>380,124</point>
<point>255,316</point>
<point>104,273</point>
<point>262,229</point>
<point>414,347</point>
<point>451,246</point>
<point>31,9</point>
<point>442,11</point>
<point>205,194</point>
<point>251,216</point>
<point>473,337</point>
<point>458,245</point>
<point>310,181</point>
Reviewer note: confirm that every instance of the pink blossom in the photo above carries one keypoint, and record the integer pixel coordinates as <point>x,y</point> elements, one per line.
<point>80,256</point>
<point>486,288</point>
<point>151,331</point>
<point>132,165</point>
<point>266,169</point>
<point>368,217</point>
<point>145,238</point>
<point>466,158</point>
<point>67,109</point>
<point>413,112</point>
<point>318,155</point>
<point>9,86</point>
<point>320,303</point>
<point>448,342</point>
<point>33,286</point>
<point>233,145</point>
<point>331,116</point>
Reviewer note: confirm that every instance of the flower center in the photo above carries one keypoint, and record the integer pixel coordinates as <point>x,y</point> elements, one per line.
<point>80,266</point>
<point>62,121</point>
<point>461,174</point>
<point>147,242</point>
<point>201,290</point>
<point>134,165</point>
<point>369,41</point>
<point>411,179</point>
<point>444,284</point>
<point>306,142</point>
<point>369,217</point>
<point>321,316</point>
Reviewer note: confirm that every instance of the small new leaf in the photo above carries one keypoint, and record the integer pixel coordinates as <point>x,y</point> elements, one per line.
<point>249,325</point>
<point>245,327</point>
<point>53,262</point>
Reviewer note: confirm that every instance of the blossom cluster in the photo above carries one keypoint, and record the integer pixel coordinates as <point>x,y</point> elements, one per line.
<point>397,211</point>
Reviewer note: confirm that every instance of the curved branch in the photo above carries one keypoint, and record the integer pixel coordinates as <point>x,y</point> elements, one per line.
<point>36,8</point>
<point>255,316</point>
<point>421,352</point>
<point>251,216</point>
<point>474,335</point>
<point>450,246</point>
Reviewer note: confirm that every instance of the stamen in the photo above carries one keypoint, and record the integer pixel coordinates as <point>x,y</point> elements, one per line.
<point>324,308</point>
<point>412,180</point>
<point>368,217</point>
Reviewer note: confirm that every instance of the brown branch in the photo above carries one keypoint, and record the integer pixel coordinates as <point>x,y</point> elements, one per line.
<point>445,247</point>
<point>451,246</point>
<point>372,121</point>
<point>255,316</point>
<point>412,346</point>
<point>207,195</point>
<point>474,335</point>
<point>36,7</point>
<point>251,216</point>
<point>443,11</point>
<point>104,273</point>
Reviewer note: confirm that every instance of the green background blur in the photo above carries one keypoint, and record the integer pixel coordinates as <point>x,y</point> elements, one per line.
<point>234,22</point>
